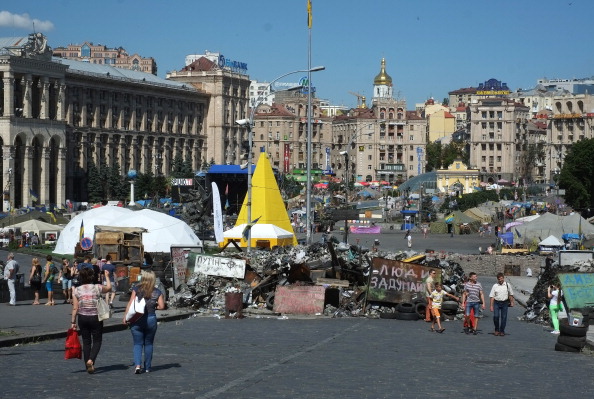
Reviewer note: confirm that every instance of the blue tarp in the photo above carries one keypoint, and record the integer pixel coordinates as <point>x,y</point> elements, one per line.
<point>571,236</point>
<point>230,169</point>
<point>508,238</point>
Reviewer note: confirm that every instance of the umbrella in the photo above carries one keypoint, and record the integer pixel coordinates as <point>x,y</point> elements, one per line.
<point>364,183</point>
<point>357,184</point>
<point>384,183</point>
<point>374,183</point>
<point>321,185</point>
<point>512,224</point>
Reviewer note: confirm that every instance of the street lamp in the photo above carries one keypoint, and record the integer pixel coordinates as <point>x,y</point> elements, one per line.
<point>249,124</point>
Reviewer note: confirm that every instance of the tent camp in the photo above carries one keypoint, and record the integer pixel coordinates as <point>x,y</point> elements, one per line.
<point>39,227</point>
<point>549,224</point>
<point>478,214</point>
<point>163,230</point>
<point>549,245</point>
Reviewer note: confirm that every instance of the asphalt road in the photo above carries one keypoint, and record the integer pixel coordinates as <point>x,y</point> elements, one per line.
<point>207,357</point>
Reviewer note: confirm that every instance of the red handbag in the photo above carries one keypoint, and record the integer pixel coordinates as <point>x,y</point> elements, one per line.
<point>73,348</point>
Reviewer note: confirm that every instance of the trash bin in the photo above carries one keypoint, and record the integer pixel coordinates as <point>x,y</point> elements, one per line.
<point>233,303</point>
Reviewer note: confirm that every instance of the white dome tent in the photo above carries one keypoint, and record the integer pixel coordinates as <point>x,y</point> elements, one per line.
<point>162,230</point>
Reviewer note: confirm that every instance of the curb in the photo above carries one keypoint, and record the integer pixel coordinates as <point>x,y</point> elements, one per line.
<point>33,338</point>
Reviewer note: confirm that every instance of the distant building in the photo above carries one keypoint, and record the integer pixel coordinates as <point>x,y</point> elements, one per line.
<point>470,95</point>
<point>457,177</point>
<point>102,55</point>
<point>573,86</point>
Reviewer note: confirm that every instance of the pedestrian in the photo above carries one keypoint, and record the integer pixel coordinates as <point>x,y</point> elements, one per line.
<point>84,304</point>
<point>481,231</point>
<point>145,328</point>
<point>424,231</point>
<point>554,294</point>
<point>436,301</point>
<point>501,297</point>
<point>35,279</point>
<point>429,287</point>
<point>65,277</point>
<point>474,298</point>
<point>50,272</point>
<point>489,230</point>
<point>409,240</point>
<point>10,274</point>
<point>109,267</point>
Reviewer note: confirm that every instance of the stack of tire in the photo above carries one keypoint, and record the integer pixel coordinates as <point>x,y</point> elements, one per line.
<point>573,338</point>
<point>449,309</point>
<point>406,311</point>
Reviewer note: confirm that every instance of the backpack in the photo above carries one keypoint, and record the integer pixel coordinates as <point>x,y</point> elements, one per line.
<point>53,269</point>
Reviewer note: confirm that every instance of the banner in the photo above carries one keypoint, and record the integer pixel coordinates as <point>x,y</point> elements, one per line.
<point>218,213</point>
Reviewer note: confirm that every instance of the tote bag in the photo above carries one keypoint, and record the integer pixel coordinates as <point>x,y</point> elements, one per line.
<point>103,311</point>
<point>136,310</point>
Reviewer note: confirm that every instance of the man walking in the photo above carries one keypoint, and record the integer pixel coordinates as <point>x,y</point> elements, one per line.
<point>474,298</point>
<point>501,297</point>
<point>10,272</point>
<point>429,287</point>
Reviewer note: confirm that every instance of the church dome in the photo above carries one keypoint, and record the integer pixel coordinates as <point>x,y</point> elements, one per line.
<point>383,78</point>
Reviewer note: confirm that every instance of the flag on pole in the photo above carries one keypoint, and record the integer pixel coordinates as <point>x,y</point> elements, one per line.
<point>81,234</point>
<point>248,227</point>
<point>309,17</point>
<point>34,197</point>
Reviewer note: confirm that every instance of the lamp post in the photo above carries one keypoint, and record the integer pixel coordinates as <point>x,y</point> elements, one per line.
<point>249,124</point>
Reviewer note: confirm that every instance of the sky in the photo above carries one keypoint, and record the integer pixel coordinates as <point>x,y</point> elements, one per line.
<point>431,47</point>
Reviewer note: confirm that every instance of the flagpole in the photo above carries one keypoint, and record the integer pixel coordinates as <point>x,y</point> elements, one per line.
<point>308,220</point>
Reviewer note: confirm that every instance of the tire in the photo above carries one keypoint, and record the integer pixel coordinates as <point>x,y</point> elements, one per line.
<point>388,315</point>
<point>405,307</point>
<point>421,309</point>
<point>574,342</point>
<point>449,305</point>
<point>572,331</point>
<point>564,348</point>
<point>270,301</point>
<point>407,316</point>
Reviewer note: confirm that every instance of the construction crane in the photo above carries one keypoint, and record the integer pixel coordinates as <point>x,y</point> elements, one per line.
<point>360,98</point>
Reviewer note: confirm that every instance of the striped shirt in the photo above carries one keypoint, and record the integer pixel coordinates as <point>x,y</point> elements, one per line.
<point>87,295</point>
<point>473,291</point>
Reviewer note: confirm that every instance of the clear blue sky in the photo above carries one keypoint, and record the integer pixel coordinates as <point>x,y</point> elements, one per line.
<point>431,47</point>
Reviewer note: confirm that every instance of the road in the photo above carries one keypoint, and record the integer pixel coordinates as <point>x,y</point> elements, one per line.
<point>208,357</point>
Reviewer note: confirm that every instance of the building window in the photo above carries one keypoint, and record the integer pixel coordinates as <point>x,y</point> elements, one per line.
<point>411,137</point>
<point>411,158</point>
<point>369,157</point>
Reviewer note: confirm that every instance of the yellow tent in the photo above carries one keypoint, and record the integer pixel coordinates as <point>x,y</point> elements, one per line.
<point>268,207</point>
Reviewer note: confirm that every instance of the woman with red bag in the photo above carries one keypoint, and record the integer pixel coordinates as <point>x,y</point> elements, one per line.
<point>84,303</point>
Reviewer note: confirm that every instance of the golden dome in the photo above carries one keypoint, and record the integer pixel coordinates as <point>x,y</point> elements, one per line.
<point>383,78</point>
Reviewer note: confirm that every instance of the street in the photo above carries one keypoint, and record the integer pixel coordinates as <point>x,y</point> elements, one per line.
<point>208,357</point>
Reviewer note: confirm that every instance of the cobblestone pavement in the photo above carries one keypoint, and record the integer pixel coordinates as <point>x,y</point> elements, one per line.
<point>208,357</point>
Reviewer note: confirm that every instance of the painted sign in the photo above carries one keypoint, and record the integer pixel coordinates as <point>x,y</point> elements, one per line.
<point>578,289</point>
<point>219,266</point>
<point>182,182</point>
<point>287,158</point>
<point>299,299</point>
<point>179,262</point>
<point>395,281</point>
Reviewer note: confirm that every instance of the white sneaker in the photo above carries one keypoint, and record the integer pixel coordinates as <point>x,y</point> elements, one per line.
<point>555,332</point>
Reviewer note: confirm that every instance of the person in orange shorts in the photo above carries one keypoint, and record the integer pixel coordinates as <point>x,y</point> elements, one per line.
<point>436,301</point>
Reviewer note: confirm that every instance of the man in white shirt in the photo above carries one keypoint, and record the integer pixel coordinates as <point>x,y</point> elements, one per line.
<point>502,297</point>
<point>10,272</point>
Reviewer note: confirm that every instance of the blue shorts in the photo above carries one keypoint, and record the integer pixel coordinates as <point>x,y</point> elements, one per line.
<point>48,286</point>
<point>66,283</point>
<point>472,305</point>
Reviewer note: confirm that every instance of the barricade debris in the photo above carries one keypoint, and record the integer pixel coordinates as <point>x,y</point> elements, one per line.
<point>341,268</point>
<point>536,307</point>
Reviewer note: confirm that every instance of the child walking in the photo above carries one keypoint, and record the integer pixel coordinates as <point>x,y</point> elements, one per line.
<point>436,301</point>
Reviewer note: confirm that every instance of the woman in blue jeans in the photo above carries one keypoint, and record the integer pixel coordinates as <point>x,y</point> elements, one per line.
<point>144,329</point>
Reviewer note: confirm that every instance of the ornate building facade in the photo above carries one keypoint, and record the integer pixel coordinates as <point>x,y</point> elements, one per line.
<point>102,55</point>
<point>58,116</point>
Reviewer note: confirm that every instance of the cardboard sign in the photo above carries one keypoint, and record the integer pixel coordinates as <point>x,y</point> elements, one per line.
<point>578,289</point>
<point>299,299</point>
<point>395,281</point>
<point>219,266</point>
<point>179,262</point>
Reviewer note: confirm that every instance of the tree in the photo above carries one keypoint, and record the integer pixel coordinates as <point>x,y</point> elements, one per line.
<point>446,101</point>
<point>534,152</point>
<point>577,175</point>
<point>94,187</point>
<point>433,156</point>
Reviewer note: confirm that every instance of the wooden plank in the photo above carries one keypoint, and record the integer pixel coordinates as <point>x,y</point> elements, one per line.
<point>299,299</point>
<point>334,282</point>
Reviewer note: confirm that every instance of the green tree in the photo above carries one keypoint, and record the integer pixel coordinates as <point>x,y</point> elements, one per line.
<point>577,175</point>
<point>446,101</point>
<point>534,152</point>
<point>433,156</point>
<point>94,186</point>
<point>144,185</point>
<point>453,151</point>
<point>117,187</point>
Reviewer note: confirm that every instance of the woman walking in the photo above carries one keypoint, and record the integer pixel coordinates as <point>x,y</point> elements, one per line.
<point>144,329</point>
<point>35,279</point>
<point>84,304</point>
<point>555,306</point>
<point>48,279</point>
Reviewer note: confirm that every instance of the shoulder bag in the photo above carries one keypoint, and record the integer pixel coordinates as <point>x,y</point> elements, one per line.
<point>103,311</point>
<point>136,310</point>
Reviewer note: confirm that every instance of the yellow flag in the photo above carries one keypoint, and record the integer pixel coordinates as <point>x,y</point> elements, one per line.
<point>309,14</point>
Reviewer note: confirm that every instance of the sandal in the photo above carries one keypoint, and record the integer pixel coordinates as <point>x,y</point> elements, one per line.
<point>90,367</point>
<point>441,330</point>
<point>35,303</point>
<point>432,329</point>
